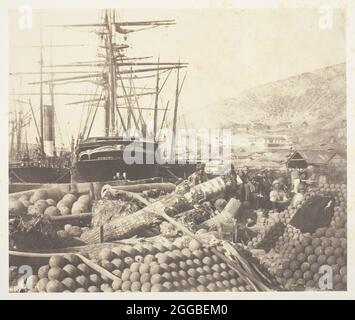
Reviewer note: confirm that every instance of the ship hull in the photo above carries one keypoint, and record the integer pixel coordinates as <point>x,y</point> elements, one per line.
<point>106,170</point>
<point>103,159</point>
<point>27,174</point>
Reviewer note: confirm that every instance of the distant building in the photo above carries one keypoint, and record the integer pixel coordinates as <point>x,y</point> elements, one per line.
<point>336,169</point>
<point>285,125</point>
<point>241,127</point>
<point>243,159</point>
<point>256,155</point>
<point>318,158</point>
<point>276,142</point>
<point>338,159</point>
<point>260,126</point>
<point>256,142</point>
<point>270,159</point>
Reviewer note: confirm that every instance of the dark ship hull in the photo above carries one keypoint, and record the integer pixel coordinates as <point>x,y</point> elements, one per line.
<point>36,174</point>
<point>106,170</point>
<point>101,159</point>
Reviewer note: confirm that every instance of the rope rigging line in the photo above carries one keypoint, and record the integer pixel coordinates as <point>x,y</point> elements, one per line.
<point>91,108</point>
<point>93,118</point>
<point>82,111</point>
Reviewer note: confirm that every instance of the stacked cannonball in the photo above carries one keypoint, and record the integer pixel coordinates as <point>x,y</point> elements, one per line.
<point>71,204</point>
<point>50,203</point>
<point>290,240</point>
<point>306,253</point>
<point>65,274</point>
<point>338,190</point>
<point>166,267</point>
<point>286,215</point>
<point>40,202</point>
<point>268,238</point>
<point>140,268</point>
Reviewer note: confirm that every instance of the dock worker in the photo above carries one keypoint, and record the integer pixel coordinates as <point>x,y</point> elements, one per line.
<point>278,197</point>
<point>199,176</point>
<point>236,182</point>
<point>299,195</point>
<point>312,177</point>
<point>283,184</point>
<point>245,192</point>
<point>295,180</point>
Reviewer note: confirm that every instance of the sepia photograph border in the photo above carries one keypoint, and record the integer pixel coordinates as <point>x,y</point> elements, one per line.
<point>349,6</point>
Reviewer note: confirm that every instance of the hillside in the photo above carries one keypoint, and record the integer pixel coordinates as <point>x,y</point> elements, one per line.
<point>318,97</point>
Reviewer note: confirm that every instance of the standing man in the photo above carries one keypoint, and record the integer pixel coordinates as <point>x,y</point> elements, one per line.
<point>295,180</point>
<point>313,178</point>
<point>245,192</point>
<point>299,195</point>
<point>283,184</point>
<point>278,197</point>
<point>235,182</point>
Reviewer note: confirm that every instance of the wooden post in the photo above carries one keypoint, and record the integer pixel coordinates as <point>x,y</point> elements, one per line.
<point>41,91</point>
<point>175,113</point>
<point>156,104</point>
<point>92,192</point>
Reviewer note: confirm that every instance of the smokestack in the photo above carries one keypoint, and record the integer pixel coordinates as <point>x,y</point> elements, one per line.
<point>48,130</point>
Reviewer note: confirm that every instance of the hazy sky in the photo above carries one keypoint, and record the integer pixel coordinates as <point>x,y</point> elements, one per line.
<point>227,50</point>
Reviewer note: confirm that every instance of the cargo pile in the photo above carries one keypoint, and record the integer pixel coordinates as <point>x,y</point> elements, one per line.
<point>267,239</point>
<point>300,259</point>
<point>50,203</point>
<point>35,219</point>
<point>144,267</point>
<point>65,273</point>
<point>280,257</point>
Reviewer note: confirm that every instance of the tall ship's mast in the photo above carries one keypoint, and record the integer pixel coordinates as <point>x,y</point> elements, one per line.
<point>116,75</point>
<point>40,162</point>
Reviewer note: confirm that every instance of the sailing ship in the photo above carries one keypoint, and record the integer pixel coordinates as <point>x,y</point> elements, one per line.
<point>32,163</point>
<point>28,163</point>
<point>39,162</point>
<point>102,158</point>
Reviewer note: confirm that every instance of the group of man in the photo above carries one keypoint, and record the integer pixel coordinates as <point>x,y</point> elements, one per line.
<point>282,195</point>
<point>259,192</point>
<point>263,190</point>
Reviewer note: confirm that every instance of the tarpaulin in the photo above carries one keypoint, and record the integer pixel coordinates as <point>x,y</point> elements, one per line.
<point>317,212</point>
